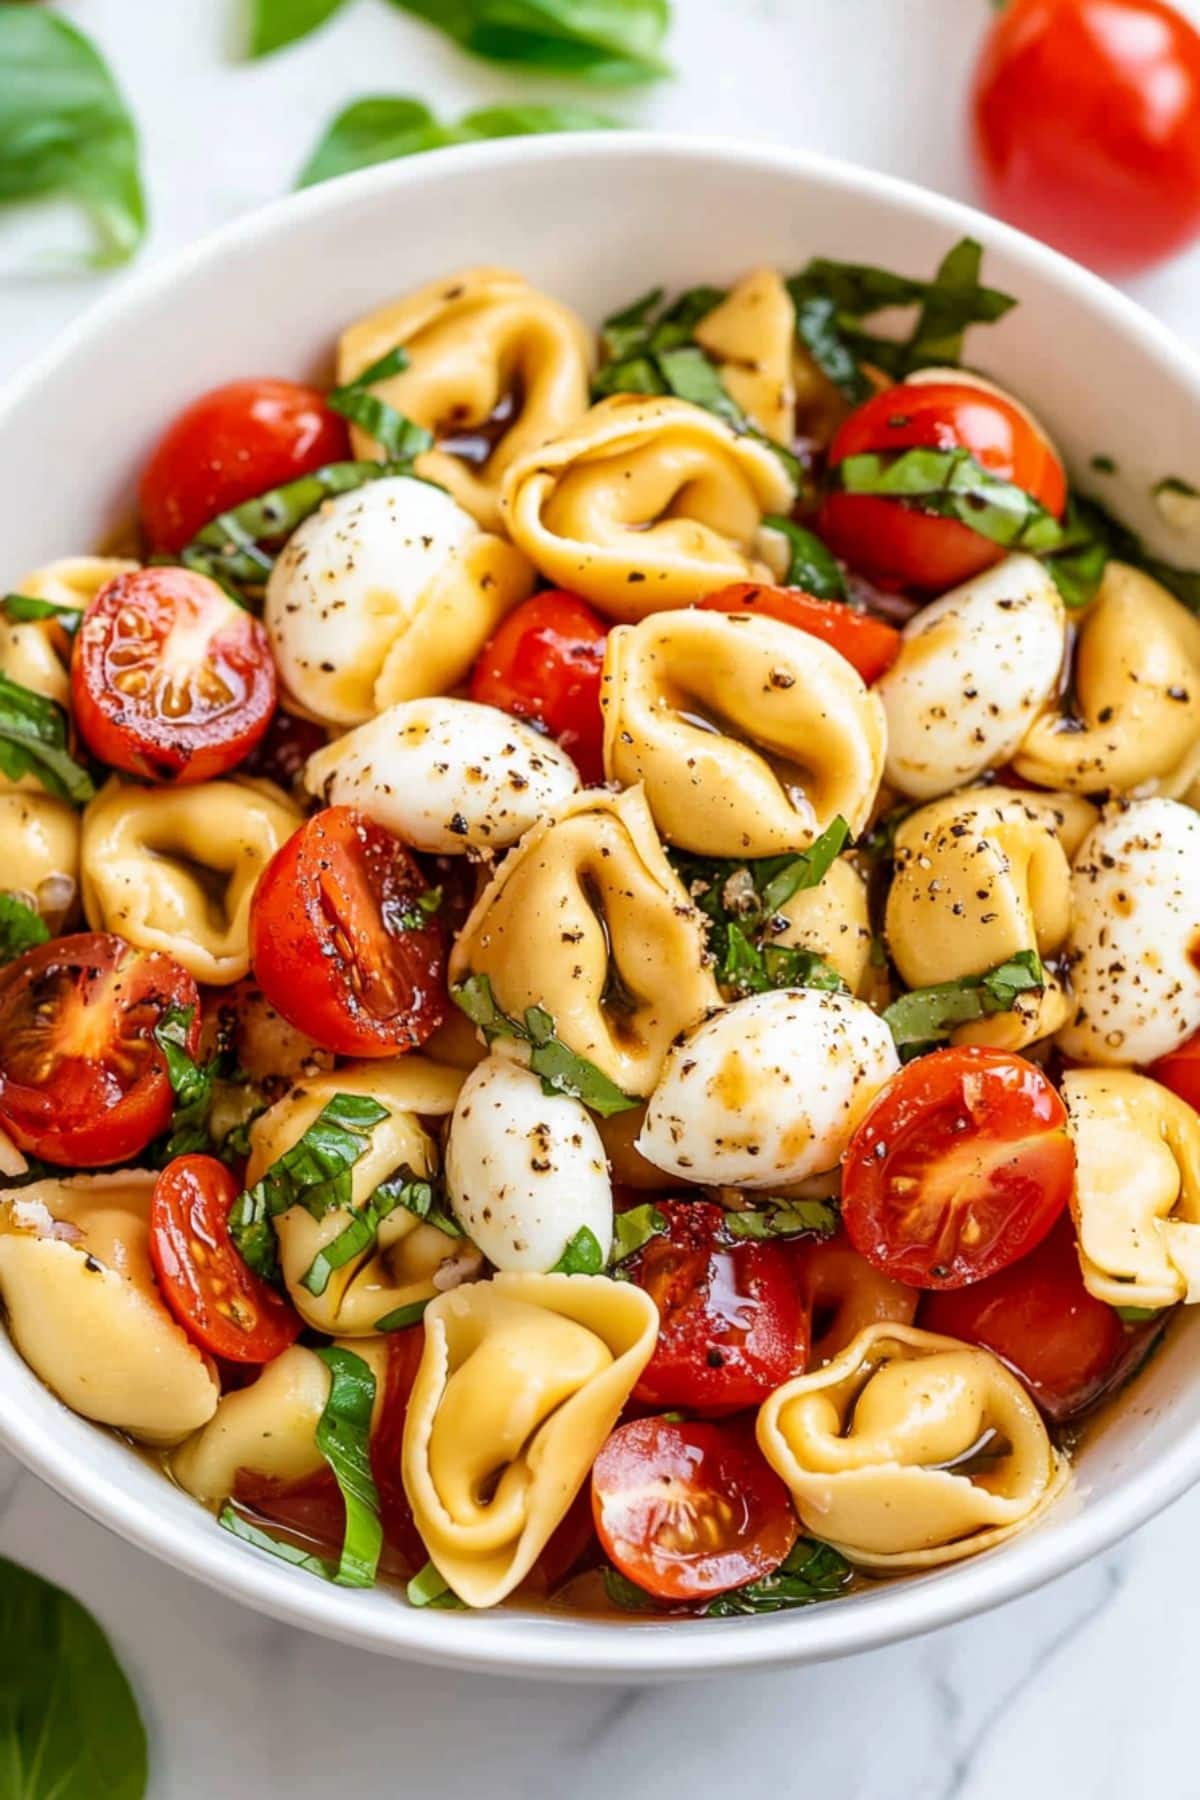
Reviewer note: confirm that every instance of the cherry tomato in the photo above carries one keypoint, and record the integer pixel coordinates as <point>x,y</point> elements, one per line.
<point>221,1304</point>
<point>570,1541</point>
<point>1086,127</point>
<point>171,680</point>
<point>867,643</point>
<point>544,664</point>
<point>81,1078</point>
<point>891,541</point>
<point>1038,1317</point>
<point>731,1326</point>
<point>405,1349</point>
<point>691,1509</point>
<point>230,445</point>
<point>339,943</point>
<point>1180,1071</point>
<point>842,1294</point>
<point>960,1167</point>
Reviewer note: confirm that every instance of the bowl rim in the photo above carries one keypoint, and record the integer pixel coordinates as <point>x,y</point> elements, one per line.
<point>549,1644</point>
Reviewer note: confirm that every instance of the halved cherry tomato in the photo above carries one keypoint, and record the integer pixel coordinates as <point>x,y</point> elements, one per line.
<point>867,643</point>
<point>731,1326</point>
<point>171,680</point>
<point>842,1294</point>
<point>1180,1071</point>
<point>338,941</point>
<point>691,1509</point>
<point>231,444</point>
<point>893,542</point>
<point>960,1167</point>
<point>544,664</point>
<point>221,1304</point>
<point>1038,1317</point>
<point>81,1078</point>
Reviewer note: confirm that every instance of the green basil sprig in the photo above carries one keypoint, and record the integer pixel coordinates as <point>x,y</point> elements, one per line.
<point>810,1572</point>
<point>784,1219</point>
<point>191,1084</point>
<point>951,484</point>
<point>25,609</point>
<point>581,1256</point>
<point>21,928</point>
<point>413,1192</point>
<point>927,1016</point>
<point>397,436</point>
<point>633,1230</point>
<point>33,741</point>
<point>1092,534</point>
<point>383,127</point>
<point>811,565</point>
<point>560,1069</point>
<point>401,1317</point>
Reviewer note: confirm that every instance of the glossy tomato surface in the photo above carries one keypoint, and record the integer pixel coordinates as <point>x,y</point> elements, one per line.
<point>869,644</point>
<point>1086,127</point>
<point>544,664</point>
<point>82,1080</point>
<point>1180,1071</point>
<point>404,1351</point>
<point>339,942</point>
<point>230,445</point>
<point>960,1168</point>
<point>891,541</point>
<point>731,1325</point>
<point>171,680</point>
<point>688,1509</point>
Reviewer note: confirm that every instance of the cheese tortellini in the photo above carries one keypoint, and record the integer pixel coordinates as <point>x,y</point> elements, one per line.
<point>40,836</point>
<point>85,1313</point>
<point>521,1380</point>
<point>645,504</point>
<point>749,736</point>
<point>909,1450</point>
<point>833,920</point>
<point>587,918</point>
<point>33,651</point>
<point>494,369</point>
<point>751,336</point>
<point>175,869</point>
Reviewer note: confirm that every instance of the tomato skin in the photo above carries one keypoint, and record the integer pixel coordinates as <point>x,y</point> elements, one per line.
<point>327,943</point>
<point>1180,1071</point>
<point>222,1305</point>
<point>690,1509</point>
<point>868,644</point>
<point>898,546</point>
<point>81,1079</point>
<point>544,664</point>
<point>1086,127</point>
<point>229,445</point>
<point>960,1168</point>
<point>170,679</point>
<point>731,1325</point>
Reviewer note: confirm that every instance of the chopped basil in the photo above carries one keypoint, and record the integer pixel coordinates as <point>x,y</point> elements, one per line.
<point>927,1015</point>
<point>811,566</point>
<point>33,741</point>
<point>22,609</point>
<point>397,436</point>
<point>1096,534</point>
<point>386,126</point>
<point>632,1231</point>
<point>811,1571</point>
<point>785,1218</point>
<point>21,928</point>
<point>625,1593</point>
<point>402,1316</point>
<point>951,484</point>
<point>405,1189</point>
<point>429,1588</point>
<point>1136,1315</point>
<point>416,914</point>
<point>344,1440</point>
<point>191,1084</point>
<point>560,1069</point>
<point>582,1255</point>
<point>232,1521</point>
<point>880,838</point>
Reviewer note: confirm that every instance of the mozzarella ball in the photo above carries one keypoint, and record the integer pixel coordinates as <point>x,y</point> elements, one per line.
<point>1134,947</point>
<point>525,1170</point>
<point>769,1090</point>
<point>975,669</point>
<point>445,775</point>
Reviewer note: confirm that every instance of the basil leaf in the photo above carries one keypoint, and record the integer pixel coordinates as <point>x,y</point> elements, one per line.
<point>429,1588</point>
<point>785,1218</point>
<point>927,1015</point>
<point>191,1084</point>
<point>560,1069</point>
<point>1093,528</point>
<point>344,1440</point>
<point>582,1255</point>
<point>405,1189</point>
<point>778,878</point>
<point>1136,1315</point>
<point>950,484</point>
<point>65,130</point>
<point>232,1521</point>
<point>33,741</point>
<point>953,301</point>
<point>397,436</point>
<point>383,127</point>
<point>811,566</point>
<point>277,23</point>
<point>21,928</point>
<point>633,1230</point>
<point>21,609</point>
<point>609,41</point>
<point>626,1594</point>
<point>811,1571</point>
<point>402,1316</point>
<point>69,1723</point>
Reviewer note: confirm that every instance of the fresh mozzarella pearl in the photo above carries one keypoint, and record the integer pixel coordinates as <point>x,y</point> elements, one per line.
<point>1134,948</point>
<point>445,774</point>
<point>975,669</point>
<point>348,583</point>
<point>525,1170</point>
<point>769,1090</point>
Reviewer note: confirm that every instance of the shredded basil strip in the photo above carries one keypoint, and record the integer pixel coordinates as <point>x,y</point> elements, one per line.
<point>33,741</point>
<point>927,1015</point>
<point>344,1440</point>
<point>581,1256</point>
<point>1092,536</point>
<point>402,1316</point>
<point>398,437</point>
<point>191,1084</point>
<point>811,566</point>
<point>951,484</point>
<point>405,1189</point>
<point>560,1069</point>
<point>430,1588</point>
<point>785,1218</point>
<point>23,609</point>
<point>21,928</point>
<point>232,1521</point>
<point>1136,1315</point>
<point>633,1230</point>
<point>811,1571</point>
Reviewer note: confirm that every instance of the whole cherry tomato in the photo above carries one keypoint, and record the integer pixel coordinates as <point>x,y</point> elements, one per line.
<point>544,664</point>
<point>82,1079</point>
<point>1180,1071</point>
<point>867,643</point>
<point>893,542</point>
<point>171,680</point>
<point>231,444</point>
<point>960,1167</point>
<point>340,944</point>
<point>1086,127</point>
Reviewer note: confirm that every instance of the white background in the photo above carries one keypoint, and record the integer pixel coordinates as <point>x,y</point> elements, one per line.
<point>1084,1691</point>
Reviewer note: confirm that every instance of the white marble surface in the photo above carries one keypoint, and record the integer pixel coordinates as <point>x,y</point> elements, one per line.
<point>1081,1691</point>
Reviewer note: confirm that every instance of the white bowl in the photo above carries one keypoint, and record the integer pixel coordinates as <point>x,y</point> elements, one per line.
<point>596,220</point>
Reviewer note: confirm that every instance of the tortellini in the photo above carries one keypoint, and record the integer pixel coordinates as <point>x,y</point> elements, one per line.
<point>408,1259</point>
<point>645,504</point>
<point>909,1450</point>
<point>751,336</point>
<point>40,836</point>
<point>1137,1187</point>
<point>587,918</point>
<point>975,671</point>
<point>980,877</point>
<point>85,1313</point>
<point>1135,697</point>
<point>521,1380</point>
<point>494,369</point>
<point>176,869</point>
<point>445,775</point>
<point>842,1294</point>
<point>833,920</point>
<point>1134,944</point>
<point>386,593</point>
<point>750,736</point>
